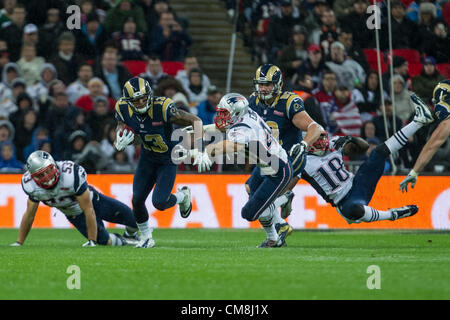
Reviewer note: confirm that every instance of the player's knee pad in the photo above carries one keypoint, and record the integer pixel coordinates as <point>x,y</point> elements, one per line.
<point>353,211</point>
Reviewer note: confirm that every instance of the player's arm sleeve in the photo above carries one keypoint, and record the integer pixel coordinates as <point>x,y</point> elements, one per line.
<point>442,111</point>
<point>26,189</point>
<point>80,184</point>
<point>240,135</point>
<point>118,113</point>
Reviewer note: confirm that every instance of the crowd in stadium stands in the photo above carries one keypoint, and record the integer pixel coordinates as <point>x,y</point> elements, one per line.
<point>59,86</point>
<point>328,54</point>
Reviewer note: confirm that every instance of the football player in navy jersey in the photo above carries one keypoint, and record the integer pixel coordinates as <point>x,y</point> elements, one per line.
<point>441,101</point>
<point>147,120</point>
<point>63,185</point>
<point>285,113</point>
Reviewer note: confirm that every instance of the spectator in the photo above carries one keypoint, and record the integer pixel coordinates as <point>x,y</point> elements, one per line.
<point>190,62</point>
<point>121,163</point>
<point>168,39</point>
<point>91,39</point>
<point>4,55</point>
<point>131,44</point>
<point>86,153</point>
<point>355,23</point>
<point>345,117</point>
<point>39,134</point>
<point>181,102</point>
<point>312,21</point>
<point>7,131</point>
<point>154,72</point>
<point>124,9</point>
<point>325,95</point>
<point>66,61</point>
<point>169,87</point>
<point>88,8</point>
<point>31,37</point>
<point>10,72</point>
<point>438,44</point>
<point>280,28</point>
<point>8,161</point>
<point>113,74</point>
<point>99,117</point>
<point>313,66</point>
<point>7,11</point>
<point>368,98</point>
<point>39,91</point>
<point>353,51</point>
<point>423,85</point>
<point>30,65</point>
<point>7,100</point>
<point>427,16</point>
<point>303,88</point>
<point>292,56</point>
<point>400,66</point>
<point>207,109</point>
<point>327,34</point>
<point>12,32</point>
<point>24,103</point>
<point>47,146</point>
<point>342,8</point>
<point>404,31</point>
<point>96,89</point>
<point>26,126</point>
<point>348,71</point>
<point>414,9</point>
<point>368,130</point>
<point>50,31</point>
<point>404,107</point>
<point>197,91</point>
<point>80,87</point>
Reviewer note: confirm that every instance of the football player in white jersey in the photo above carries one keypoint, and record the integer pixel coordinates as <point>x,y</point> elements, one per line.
<point>63,185</point>
<point>247,133</point>
<point>351,194</point>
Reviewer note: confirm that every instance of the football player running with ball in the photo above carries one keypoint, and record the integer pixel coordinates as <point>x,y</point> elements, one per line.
<point>63,185</point>
<point>247,134</point>
<point>351,194</point>
<point>441,101</point>
<point>147,120</point>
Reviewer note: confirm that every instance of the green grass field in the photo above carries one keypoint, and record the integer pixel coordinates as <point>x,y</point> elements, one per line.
<point>225,264</point>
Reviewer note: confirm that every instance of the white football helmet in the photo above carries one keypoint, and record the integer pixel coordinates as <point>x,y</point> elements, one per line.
<point>231,108</point>
<point>43,169</point>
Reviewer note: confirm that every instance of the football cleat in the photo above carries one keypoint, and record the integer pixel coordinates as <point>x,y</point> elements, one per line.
<point>287,207</point>
<point>146,242</point>
<point>422,112</point>
<point>403,212</point>
<point>186,204</point>
<point>284,230</point>
<point>272,243</point>
<point>131,239</point>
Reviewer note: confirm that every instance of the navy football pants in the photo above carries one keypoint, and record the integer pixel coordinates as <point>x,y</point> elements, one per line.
<point>107,209</point>
<point>151,174</point>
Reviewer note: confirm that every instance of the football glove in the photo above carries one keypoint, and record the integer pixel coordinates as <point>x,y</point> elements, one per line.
<point>123,139</point>
<point>411,177</point>
<point>203,161</point>
<point>416,100</point>
<point>297,151</point>
<point>90,243</point>
<point>342,141</point>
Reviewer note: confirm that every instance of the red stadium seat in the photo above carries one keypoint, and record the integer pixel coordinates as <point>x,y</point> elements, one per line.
<point>371,56</point>
<point>410,55</point>
<point>414,69</point>
<point>407,2</point>
<point>446,12</point>
<point>444,69</point>
<point>172,67</point>
<point>135,67</point>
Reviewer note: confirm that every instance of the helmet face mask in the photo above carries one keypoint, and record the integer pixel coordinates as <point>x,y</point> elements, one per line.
<point>43,169</point>
<point>441,92</point>
<point>230,109</point>
<point>321,146</point>
<point>138,94</point>
<point>265,75</point>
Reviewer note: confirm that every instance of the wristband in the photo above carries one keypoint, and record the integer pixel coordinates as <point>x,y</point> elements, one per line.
<point>412,173</point>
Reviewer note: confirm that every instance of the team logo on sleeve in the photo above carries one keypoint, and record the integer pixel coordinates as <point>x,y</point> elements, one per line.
<point>297,106</point>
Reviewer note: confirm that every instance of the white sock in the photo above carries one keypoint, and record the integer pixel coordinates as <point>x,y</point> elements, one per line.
<point>115,240</point>
<point>280,201</point>
<point>266,220</point>
<point>371,215</point>
<point>400,138</point>
<point>277,217</point>
<point>145,229</point>
<point>180,196</point>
